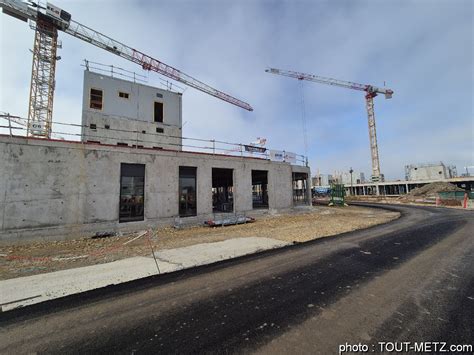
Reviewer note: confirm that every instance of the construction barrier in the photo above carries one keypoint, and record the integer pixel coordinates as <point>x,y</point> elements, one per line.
<point>455,198</point>
<point>338,194</point>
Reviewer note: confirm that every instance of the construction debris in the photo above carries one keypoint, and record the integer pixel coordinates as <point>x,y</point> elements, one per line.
<point>104,234</point>
<point>229,221</point>
<point>431,190</point>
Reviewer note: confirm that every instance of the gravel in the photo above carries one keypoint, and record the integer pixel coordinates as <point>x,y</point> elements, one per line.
<point>42,257</point>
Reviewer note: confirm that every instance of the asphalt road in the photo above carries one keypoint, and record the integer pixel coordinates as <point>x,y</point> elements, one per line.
<point>411,280</point>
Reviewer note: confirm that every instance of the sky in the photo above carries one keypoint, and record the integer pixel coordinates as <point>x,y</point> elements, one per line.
<point>422,50</point>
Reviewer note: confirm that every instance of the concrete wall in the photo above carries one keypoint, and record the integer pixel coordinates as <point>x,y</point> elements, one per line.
<point>135,113</point>
<point>426,172</point>
<point>55,189</point>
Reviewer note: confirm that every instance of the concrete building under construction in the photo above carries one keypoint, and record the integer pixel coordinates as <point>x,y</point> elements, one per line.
<point>125,174</point>
<point>430,171</point>
<point>112,108</point>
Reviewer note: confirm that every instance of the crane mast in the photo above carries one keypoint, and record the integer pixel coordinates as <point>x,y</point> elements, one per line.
<point>46,21</point>
<point>371,92</point>
<point>43,72</point>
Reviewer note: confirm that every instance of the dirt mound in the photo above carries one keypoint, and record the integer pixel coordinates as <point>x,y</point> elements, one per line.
<point>432,189</point>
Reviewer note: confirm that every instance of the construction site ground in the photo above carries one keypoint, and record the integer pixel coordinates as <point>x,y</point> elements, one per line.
<point>421,196</point>
<point>396,200</point>
<point>299,226</point>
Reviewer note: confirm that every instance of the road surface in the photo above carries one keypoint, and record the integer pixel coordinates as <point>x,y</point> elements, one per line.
<point>411,280</point>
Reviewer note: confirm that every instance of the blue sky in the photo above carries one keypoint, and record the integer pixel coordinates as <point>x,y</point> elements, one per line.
<point>422,49</point>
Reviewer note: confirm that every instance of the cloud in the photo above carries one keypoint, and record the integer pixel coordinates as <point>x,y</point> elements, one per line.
<point>421,49</point>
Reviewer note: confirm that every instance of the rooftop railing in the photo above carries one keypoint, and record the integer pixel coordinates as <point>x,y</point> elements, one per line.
<point>16,127</point>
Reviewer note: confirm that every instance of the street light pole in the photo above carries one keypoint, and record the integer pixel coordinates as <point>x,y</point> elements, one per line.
<point>351,171</point>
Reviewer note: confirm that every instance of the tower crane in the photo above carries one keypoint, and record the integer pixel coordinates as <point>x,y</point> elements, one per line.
<point>371,92</point>
<point>47,21</point>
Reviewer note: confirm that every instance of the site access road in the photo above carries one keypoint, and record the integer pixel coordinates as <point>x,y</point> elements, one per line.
<point>411,280</point>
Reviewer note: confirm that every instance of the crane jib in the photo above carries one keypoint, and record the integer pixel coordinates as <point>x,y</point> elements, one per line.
<point>62,21</point>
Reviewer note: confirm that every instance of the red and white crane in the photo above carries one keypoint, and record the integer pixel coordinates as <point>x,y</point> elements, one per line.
<point>371,92</point>
<point>46,21</point>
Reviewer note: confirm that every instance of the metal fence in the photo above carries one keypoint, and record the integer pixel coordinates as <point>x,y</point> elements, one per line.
<point>16,126</point>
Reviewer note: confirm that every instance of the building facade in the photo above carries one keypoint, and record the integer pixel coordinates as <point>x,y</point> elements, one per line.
<point>125,113</point>
<point>429,171</point>
<point>356,177</point>
<point>326,180</point>
<point>62,189</point>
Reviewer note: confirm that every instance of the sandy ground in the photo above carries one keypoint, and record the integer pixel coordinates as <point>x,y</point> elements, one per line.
<point>400,200</point>
<point>42,257</point>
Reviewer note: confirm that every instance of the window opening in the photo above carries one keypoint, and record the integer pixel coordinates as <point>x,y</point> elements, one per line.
<point>259,189</point>
<point>222,190</point>
<point>132,192</point>
<point>300,195</point>
<point>96,97</point>
<point>158,112</point>
<point>187,191</point>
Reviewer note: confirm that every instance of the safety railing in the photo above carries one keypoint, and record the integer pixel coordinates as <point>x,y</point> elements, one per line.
<point>16,126</point>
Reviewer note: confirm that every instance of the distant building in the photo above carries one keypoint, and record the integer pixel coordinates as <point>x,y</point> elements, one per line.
<point>125,113</point>
<point>338,178</point>
<point>357,178</point>
<point>429,171</point>
<point>322,180</point>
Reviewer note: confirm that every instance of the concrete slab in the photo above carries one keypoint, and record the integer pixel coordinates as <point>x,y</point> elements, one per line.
<point>206,253</point>
<point>24,291</point>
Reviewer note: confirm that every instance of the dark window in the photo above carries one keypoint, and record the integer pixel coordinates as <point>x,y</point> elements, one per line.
<point>124,95</point>
<point>158,112</point>
<point>107,126</point>
<point>92,126</point>
<point>96,99</point>
<point>123,144</point>
<point>132,192</point>
<point>300,188</point>
<point>222,190</point>
<point>187,191</point>
<point>159,95</point>
<point>160,130</point>
<point>144,132</point>
<point>259,189</point>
